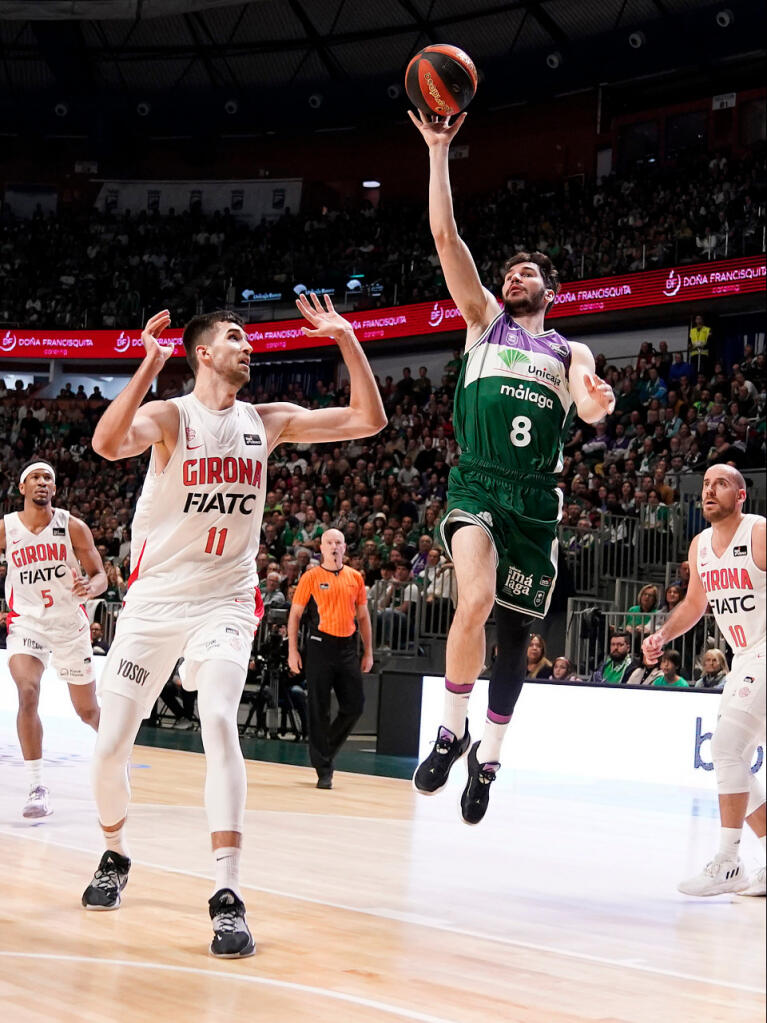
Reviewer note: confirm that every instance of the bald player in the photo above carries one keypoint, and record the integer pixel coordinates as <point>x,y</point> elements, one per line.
<point>727,572</point>
<point>331,650</point>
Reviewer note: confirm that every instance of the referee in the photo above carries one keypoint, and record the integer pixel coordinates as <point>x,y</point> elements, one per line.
<point>331,659</point>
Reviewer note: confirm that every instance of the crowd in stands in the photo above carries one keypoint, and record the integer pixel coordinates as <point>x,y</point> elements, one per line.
<point>388,493</point>
<point>85,268</point>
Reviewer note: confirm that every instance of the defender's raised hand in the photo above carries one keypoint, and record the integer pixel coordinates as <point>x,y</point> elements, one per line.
<point>325,322</point>
<point>155,325</point>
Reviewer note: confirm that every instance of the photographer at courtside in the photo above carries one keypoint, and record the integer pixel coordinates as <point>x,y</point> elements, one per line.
<point>331,650</point>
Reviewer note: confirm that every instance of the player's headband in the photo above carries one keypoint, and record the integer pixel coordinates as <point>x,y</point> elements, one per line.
<point>37,465</point>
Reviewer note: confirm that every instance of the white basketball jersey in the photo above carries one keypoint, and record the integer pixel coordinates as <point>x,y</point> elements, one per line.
<point>735,587</point>
<point>197,525</point>
<point>38,587</point>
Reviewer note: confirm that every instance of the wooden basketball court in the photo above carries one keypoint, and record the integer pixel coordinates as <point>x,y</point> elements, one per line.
<point>371,903</point>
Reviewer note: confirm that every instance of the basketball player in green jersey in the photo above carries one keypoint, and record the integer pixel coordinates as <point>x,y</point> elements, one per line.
<point>518,390</point>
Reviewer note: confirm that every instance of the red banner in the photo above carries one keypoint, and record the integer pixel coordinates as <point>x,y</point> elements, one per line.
<point>716,279</point>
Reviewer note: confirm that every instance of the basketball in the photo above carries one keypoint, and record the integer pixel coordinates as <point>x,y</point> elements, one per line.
<point>441,80</point>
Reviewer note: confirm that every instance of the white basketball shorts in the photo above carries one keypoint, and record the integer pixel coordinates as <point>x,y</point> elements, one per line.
<point>151,637</point>
<point>70,653</point>
<point>746,685</point>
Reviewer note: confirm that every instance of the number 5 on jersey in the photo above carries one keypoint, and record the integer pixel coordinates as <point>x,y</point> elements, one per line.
<point>213,547</point>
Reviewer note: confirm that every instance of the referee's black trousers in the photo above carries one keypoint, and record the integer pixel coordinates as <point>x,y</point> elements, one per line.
<point>331,663</point>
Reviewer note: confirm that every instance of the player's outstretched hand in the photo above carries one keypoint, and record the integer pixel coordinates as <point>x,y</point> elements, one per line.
<point>155,325</point>
<point>600,391</point>
<point>324,322</point>
<point>652,647</point>
<point>439,131</point>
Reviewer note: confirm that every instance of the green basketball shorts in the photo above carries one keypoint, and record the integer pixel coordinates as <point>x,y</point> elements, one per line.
<point>520,513</point>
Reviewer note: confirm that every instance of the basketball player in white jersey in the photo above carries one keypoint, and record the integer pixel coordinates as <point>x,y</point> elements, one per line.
<point>45,590</point>
<point>727,572</point>
<point>193,585</point>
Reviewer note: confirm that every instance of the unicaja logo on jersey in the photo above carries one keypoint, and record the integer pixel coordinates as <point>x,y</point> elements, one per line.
<point>9,342</point>
<point>122,344</point>
<point>673,284</point>
<point>513,357</point>
<point>436,316</point>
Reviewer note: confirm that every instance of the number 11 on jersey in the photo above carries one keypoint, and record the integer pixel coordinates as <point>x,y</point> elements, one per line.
<point>219,547</point>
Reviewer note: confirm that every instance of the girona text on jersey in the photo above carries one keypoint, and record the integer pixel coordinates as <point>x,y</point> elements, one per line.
<point>213,470</point>
<point>49,561</point>
<point>729,579</point>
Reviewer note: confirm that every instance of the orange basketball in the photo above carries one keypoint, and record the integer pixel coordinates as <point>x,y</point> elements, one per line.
<point>441,80</point>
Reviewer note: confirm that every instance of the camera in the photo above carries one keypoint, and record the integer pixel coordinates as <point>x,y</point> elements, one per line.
<point>277,616</point>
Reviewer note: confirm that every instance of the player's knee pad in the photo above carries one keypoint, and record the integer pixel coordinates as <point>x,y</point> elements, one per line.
<point>731,747</point>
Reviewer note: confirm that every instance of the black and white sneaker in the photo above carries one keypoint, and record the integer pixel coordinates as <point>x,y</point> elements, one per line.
<point>476,795</point>
<point>109,880</point>
<point>231,937</point>
<point>431,776</point>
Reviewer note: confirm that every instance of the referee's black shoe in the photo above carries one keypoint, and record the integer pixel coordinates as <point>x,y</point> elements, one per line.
<point>431,776</point>
<point>476,795</point>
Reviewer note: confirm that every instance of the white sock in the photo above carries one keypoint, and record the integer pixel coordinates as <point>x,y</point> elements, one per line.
<point>729,843</point>
<point>763,844</point>
<point>34,770</point>
<point>455,709</point>
<point>228,869</point>
<point>489,749</point>
<point>116,841</point>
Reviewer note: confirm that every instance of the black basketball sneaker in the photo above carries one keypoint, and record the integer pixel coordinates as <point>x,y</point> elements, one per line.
<point>109,880</point>
<point>476,795</point>
<point>231,937</point>
<point>431,776</point>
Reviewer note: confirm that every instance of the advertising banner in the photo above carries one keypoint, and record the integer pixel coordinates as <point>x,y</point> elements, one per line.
<point>703,281</point>
<point>604,734</point>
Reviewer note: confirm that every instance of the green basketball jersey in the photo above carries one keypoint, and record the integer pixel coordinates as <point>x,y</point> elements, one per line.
<point>513,406</point>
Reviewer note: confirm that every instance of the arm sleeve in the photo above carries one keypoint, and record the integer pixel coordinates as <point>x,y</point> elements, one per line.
<point>362,597</point>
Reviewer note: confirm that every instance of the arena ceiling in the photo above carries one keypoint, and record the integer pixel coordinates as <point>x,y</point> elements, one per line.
<point>349,54</point>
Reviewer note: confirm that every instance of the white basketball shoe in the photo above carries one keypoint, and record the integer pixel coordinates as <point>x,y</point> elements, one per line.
<point>719,876</point>
<point>757,883</point>
<point>37,803</point>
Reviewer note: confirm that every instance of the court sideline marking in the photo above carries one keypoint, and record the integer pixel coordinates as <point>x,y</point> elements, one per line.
<point>304,989</point>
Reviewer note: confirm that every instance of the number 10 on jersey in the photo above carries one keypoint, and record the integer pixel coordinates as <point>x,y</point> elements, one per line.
<point>214,546</point>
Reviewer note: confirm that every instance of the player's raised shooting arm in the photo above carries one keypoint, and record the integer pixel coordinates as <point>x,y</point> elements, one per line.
<point>477,305</point>
<point>364,416</point>
<point>90,559</point>
<point>593,397</point>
